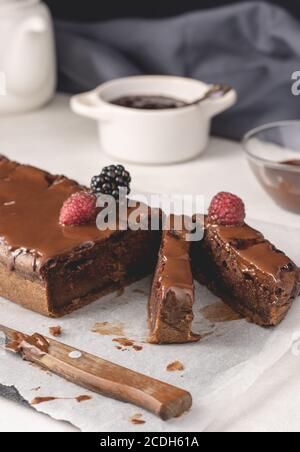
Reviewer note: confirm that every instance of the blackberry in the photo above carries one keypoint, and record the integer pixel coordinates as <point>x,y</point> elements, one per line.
<point>110,180</point>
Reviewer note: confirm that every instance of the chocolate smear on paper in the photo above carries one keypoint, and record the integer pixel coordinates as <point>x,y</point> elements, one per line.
<point>108,329</point>
<point>136,419</point>
<point>79,399</point>
<point>219,312</point>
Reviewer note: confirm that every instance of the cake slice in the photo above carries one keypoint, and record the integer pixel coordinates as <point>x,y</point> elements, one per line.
<point>170,307</point>
<point>245,270</point>
<point>54,269</point>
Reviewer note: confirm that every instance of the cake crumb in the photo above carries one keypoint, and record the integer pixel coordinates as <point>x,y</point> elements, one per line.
<point>136,419</point>
<point>127,344</point>
<point>55,331</point>
<point>175,366</point>
<point>36,389</point>
<point>137,348</point>
<point>109,329</point>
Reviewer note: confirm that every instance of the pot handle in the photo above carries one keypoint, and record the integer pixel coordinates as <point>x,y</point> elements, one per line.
<point>213,107</point>
<point>87,104</point>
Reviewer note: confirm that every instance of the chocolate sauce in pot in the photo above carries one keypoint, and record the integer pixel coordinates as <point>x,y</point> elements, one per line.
<point>147,102</point>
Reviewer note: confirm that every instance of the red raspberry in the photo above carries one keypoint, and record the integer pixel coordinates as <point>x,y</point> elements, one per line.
<point>79,208</point>
<point>227,209</point>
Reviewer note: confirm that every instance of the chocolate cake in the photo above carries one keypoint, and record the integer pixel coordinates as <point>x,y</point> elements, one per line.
<point>170,307</point>
<point>252,276</point>
<point>53,269</point>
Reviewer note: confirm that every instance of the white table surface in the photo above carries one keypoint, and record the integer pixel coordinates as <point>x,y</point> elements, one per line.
<point>61,142</point>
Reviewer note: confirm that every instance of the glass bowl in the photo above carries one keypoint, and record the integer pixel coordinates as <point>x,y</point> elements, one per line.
<point>273,152</point>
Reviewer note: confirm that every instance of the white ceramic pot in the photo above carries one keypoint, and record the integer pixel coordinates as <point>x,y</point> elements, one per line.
<point>27,56</point>
<point>152,136</point>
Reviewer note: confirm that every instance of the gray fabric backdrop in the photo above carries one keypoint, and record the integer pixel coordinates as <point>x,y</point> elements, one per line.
<point>254,46</point>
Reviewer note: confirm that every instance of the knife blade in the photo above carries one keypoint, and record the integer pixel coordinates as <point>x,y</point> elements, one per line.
<point>8,332</point>
<point>99,375</point>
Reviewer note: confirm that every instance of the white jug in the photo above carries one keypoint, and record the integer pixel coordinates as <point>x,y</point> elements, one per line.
<point>27,56</point>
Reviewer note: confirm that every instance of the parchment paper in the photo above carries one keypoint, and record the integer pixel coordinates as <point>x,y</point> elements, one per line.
<point>216,371</point>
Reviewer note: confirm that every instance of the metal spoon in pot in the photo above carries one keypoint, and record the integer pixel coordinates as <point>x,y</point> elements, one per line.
<point>215,92</point>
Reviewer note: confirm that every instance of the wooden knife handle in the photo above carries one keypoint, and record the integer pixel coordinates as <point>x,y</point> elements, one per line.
<point>112,380</point>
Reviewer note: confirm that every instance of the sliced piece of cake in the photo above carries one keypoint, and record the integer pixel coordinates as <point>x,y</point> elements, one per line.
<point>53,268</point>
<point>170,307</point>
<point>241,267</point>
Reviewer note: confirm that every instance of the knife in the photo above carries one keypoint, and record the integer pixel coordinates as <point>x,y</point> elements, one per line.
<point>99,375</point>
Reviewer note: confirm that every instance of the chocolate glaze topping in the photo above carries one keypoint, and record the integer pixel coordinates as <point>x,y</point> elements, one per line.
<point>30,203</point>
<point>176,275</point>
<point>254,252</point>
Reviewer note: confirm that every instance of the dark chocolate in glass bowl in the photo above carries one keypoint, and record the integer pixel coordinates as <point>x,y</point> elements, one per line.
<point>273,152</point>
